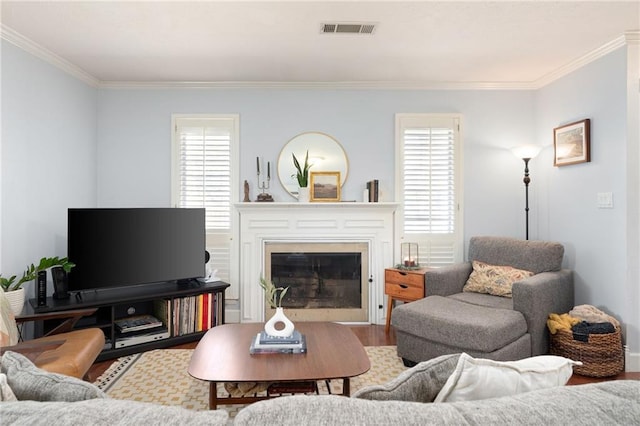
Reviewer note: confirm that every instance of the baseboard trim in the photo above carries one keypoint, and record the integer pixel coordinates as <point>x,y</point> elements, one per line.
<point>631,361</point>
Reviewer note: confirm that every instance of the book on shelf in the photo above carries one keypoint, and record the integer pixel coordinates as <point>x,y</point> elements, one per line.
<point>193,314</point>
<point>137,323</point>
<point>265,339</point>
<point>281,348</point>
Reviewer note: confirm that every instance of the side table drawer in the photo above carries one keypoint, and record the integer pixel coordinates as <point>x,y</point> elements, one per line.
<point>403,291</point>
<point>404,285</point>
<point>406,278</point>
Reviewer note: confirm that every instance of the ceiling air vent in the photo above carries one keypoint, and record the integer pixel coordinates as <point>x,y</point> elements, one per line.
<point>348,28</point>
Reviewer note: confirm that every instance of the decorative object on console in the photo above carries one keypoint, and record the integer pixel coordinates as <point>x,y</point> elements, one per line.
<point>60,283</point>
<point>274,296</point>
<point>41,288</point>
<point>15,291</point>
<point>16,300</point>
<point>264,196</point>
<point>526,152</point>
<point>30,274</point>
<point>571,143</point>
<point>325,186</point>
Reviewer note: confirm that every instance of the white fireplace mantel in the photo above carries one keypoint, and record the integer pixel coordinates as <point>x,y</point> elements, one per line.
<point>261,223</point>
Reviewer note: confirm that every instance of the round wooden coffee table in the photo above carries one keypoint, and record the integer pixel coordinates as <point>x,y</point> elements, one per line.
<point>333,352</point>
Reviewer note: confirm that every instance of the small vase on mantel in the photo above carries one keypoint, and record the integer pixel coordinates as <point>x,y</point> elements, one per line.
<point>277,318</point>
<point>303,194</point>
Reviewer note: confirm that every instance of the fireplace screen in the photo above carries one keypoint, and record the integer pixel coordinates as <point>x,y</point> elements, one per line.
<point>326,281</point>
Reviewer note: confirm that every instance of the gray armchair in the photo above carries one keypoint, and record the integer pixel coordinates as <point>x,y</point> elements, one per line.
<point>450,321</point>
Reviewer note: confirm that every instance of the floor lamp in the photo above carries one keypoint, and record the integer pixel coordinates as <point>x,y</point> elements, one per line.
<point>526,153</point>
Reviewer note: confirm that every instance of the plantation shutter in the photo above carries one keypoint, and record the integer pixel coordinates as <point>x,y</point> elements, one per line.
<point>429,186</point>
<point>202,177</point>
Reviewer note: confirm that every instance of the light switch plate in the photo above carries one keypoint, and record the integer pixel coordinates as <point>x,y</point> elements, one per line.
<point>605,200</point>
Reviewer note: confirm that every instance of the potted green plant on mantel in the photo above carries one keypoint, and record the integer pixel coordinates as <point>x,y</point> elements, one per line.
<point>274,295</point>
<point>14,290</point>
<point>302,176</point>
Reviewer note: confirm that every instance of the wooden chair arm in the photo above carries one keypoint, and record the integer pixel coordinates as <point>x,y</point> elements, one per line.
<point>72,318</point>
<point>32,349</point>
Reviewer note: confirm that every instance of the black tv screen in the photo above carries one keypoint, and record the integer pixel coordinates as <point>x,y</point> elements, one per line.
<point>131,246</point>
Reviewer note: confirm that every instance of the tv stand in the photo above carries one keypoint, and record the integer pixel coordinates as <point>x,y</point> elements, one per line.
<point>186,311</point>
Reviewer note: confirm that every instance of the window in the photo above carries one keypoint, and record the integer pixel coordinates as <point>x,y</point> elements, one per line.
<point>428,176</point>
<point>204,157</point>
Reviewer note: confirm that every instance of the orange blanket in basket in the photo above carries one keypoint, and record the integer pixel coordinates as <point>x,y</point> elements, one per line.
<point>561,322</point>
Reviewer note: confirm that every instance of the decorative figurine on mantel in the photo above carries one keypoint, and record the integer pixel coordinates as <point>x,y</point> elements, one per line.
<point>246,193</point>
<point>265,196</point>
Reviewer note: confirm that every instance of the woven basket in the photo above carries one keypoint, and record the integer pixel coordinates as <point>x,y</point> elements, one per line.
<point>601,355</point>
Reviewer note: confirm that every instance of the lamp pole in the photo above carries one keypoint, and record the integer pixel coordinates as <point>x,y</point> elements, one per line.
<point>526,153</point>
<point>526,181</point>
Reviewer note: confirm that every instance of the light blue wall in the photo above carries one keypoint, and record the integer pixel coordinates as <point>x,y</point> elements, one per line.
<point>48,157</point>
<point>66,144</point>
<point>595,239</point>
<point>134,141</point>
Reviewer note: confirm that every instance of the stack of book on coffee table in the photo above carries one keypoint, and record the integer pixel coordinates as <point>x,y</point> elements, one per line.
<point>266,344</point>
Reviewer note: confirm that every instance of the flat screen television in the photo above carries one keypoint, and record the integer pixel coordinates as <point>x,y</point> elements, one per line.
<point>118,247</point>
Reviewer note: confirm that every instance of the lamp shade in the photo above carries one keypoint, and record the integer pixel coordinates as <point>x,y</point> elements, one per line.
<point>526,151</point>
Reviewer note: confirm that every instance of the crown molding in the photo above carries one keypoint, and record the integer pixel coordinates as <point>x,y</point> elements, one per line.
<point>14,37</point>
<point>331,85</point>
<point>632,37</point>
<point>627,38</point>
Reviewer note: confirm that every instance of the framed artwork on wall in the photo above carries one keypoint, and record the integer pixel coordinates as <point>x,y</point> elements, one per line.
<point>571,143</point>
<point>325,186</point>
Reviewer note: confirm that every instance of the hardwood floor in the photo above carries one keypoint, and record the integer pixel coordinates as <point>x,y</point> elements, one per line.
<point>372,335</point>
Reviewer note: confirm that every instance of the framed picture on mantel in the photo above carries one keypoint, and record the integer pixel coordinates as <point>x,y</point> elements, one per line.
<point>571,143</point>
<point>325,186</point>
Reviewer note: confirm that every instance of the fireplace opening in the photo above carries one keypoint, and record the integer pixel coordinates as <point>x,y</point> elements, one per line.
<point>327,281</point>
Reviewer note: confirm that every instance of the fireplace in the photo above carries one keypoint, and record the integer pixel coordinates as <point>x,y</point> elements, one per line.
<point>326,281</point>
<point>336,229</point>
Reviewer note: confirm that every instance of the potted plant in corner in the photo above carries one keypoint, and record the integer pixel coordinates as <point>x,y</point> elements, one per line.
<point>14,290</point>
<point>302,176</point>
<point>273,296</point>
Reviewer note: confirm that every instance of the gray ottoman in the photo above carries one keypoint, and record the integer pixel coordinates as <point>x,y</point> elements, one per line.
<point>438,325</point>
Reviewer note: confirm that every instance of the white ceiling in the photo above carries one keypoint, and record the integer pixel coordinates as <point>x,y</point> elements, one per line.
<point>419,42</point>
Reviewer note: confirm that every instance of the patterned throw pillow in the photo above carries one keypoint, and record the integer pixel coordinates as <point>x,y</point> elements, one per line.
<point>492,279</point>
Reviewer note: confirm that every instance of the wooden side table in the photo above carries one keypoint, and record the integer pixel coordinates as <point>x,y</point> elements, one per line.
<point>405,285</point>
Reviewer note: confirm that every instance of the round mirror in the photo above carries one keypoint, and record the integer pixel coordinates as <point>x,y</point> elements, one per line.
<point>325,155</point>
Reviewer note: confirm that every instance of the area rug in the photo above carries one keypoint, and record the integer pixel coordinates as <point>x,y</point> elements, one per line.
<point>161,377</point>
